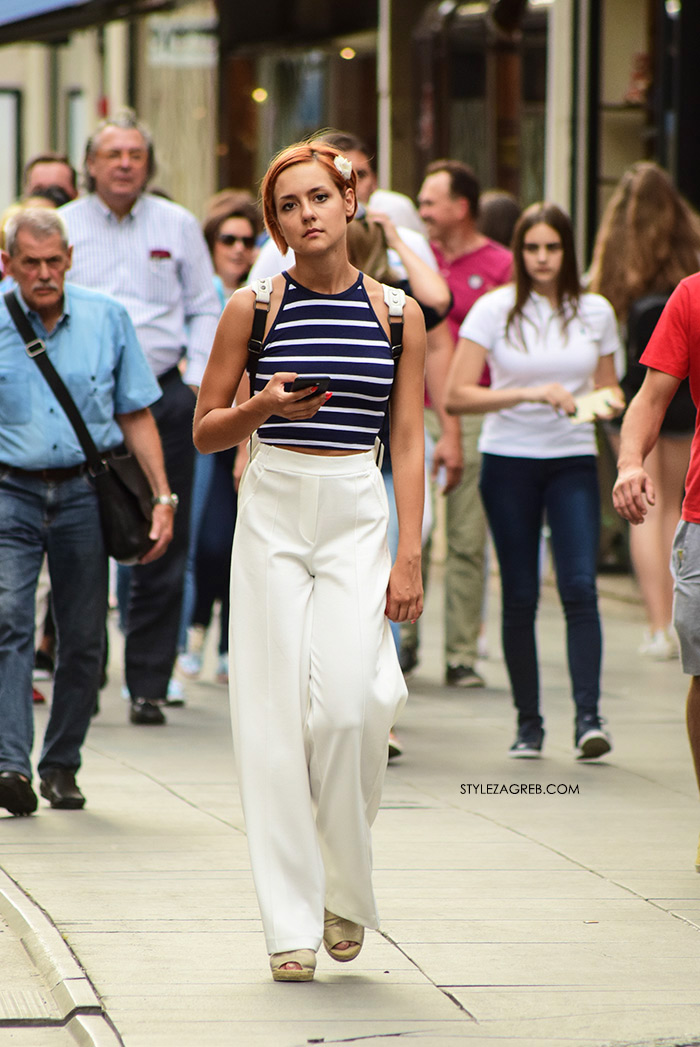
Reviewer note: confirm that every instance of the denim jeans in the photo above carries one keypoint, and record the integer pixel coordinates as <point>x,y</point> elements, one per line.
<point>518,493</point>
<point>61,519</point>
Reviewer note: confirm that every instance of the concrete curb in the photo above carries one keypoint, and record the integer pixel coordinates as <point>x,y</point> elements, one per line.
<point>76,1001</point>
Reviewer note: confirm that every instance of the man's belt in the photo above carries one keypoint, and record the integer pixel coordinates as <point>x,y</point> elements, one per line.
<point>54,476</point>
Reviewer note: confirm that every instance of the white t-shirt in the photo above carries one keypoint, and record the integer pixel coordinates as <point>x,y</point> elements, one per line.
<point>538,352</point>
<point>271,261</point>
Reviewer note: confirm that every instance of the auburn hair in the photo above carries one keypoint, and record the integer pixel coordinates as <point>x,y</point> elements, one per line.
<point>301,153</point>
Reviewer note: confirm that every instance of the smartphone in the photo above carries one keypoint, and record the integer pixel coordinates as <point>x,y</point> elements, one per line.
<point>303,382</point>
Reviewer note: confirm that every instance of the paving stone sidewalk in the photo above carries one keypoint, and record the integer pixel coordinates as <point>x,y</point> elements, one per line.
<point>530,903</point>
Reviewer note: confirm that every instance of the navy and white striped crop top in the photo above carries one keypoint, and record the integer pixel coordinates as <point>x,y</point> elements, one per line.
<point>336,335</point>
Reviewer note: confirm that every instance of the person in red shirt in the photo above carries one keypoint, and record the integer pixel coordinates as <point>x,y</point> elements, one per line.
<point>472,264</point>
<point>672,354</point>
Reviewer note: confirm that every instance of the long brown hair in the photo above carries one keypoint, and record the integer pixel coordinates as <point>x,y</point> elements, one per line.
<point>648,240</point>
<point>568,281</point>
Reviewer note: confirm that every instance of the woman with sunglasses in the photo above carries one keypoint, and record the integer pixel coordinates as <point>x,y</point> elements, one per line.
<point>230,230</point>
<point>547,344</point>
<point>315,680</point>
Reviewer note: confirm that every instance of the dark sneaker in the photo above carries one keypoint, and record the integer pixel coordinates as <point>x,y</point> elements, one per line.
<point>408,659</point>
<point>146,712</point>
<point>43,666</point>
<point>528,742</point>
<point>60,788</point>
<point>395,746</point>
<point>590,740</point>
<point>463,676</point>
<point>16,793</point>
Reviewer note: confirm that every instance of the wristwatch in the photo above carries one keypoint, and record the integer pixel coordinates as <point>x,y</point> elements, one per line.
<point>166,499</point>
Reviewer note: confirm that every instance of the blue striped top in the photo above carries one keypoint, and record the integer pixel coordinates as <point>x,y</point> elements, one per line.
<point>336,335</point>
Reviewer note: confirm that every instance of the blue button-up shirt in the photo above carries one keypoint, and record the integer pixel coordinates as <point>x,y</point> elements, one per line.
<point>95,350</point>
<point>156,263</point>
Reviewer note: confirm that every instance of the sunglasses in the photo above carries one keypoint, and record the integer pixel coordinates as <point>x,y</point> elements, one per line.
<point>229,239</point>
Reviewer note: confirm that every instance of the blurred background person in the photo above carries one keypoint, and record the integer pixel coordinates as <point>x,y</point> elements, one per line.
<point>150,254</point>
<point>498,213</point>
<point>369,239</point>
<point>649,240</point>
<point>546,342</point>
<point>50,175</point>
<point>472,264</point>
<point>231,228</point>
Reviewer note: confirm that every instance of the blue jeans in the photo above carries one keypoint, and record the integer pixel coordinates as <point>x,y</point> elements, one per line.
<point>61,519</point>
<point>517,494</point>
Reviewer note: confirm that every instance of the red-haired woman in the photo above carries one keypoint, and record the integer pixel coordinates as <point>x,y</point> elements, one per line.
<point>546,343</point>
<point>314,677</point>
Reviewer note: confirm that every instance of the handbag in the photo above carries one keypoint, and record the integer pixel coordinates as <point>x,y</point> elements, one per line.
<point>123,492</point>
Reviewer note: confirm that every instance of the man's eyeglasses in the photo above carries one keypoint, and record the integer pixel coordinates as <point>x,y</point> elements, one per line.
<point>229,239</point>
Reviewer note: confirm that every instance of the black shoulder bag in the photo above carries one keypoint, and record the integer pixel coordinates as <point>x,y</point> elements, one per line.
<point>123,492</point>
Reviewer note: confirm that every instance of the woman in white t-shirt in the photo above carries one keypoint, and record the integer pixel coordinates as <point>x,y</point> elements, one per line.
<point>546,344</point>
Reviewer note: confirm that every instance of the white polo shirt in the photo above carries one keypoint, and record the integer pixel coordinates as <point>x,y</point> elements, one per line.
<point>537,351</point>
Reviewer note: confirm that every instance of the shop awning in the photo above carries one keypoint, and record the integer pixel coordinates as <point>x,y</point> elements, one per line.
<point>43,19</point>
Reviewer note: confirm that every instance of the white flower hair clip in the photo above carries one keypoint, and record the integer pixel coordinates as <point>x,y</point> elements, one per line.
<point>344,166</point>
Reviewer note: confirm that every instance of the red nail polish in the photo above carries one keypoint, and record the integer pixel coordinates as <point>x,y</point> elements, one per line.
<point>328,396</point>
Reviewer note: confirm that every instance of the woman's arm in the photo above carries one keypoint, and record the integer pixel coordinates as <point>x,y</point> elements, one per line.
<point>405,592</point>
<point>605,377</point>
<point>218,421</point>
<point>427,285</point>
<point>464,395</point>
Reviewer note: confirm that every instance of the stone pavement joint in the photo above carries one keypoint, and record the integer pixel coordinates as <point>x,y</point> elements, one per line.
<point>73,1003</point>
<point>441,988</point>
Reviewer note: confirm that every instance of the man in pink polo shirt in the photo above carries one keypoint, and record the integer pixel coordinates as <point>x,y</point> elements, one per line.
<point>672,354</point>
<point>471,264</point>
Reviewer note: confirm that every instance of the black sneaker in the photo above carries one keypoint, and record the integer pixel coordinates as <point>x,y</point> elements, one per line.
<point>408,659</point>
<point>528,742</point>
<point>43,666</point>
<point>590,740</point>
<point>463,676</point>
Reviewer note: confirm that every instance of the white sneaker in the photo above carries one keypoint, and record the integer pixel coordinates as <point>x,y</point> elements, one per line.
<point>176,693</point>
<point>190,664</point>
<point>222,670</point>
<point>662,645</point>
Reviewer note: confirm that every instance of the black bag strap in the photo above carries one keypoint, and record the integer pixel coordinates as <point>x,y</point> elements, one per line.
<point>395,299</point>
<point>36,350</point>
<point>263,292</point>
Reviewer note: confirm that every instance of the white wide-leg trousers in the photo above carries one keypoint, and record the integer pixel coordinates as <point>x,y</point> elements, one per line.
<point>315,684</point>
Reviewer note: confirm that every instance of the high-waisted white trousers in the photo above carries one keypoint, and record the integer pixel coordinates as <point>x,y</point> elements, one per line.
<point>315,684</point>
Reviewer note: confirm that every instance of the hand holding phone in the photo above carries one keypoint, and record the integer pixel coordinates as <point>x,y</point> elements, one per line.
<point>317,385</point>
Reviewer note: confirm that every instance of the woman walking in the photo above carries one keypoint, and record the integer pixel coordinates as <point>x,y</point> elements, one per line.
<point>648,241</point>
<point>547,344</point>
<point>314,677</point>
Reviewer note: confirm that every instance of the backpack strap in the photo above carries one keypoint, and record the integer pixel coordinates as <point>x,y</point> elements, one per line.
<point>395,300</point>
<point>263,292</point>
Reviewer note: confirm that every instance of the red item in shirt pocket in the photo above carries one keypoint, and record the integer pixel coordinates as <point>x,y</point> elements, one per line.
<point>160,252</point>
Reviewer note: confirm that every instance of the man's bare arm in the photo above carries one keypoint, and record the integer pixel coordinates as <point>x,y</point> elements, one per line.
<point>633,492</point>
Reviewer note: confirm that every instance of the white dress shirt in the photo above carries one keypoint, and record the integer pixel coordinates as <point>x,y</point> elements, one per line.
<point>156,263</point>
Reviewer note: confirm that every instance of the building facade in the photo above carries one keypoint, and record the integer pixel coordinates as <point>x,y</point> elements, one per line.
<point>547,98</point>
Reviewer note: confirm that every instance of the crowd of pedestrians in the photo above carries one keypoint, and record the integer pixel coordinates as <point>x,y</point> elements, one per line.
<point>260,373</point>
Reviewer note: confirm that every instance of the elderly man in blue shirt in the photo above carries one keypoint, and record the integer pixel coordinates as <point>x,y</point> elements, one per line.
<point>48,503</point>
<point>150,254</point>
